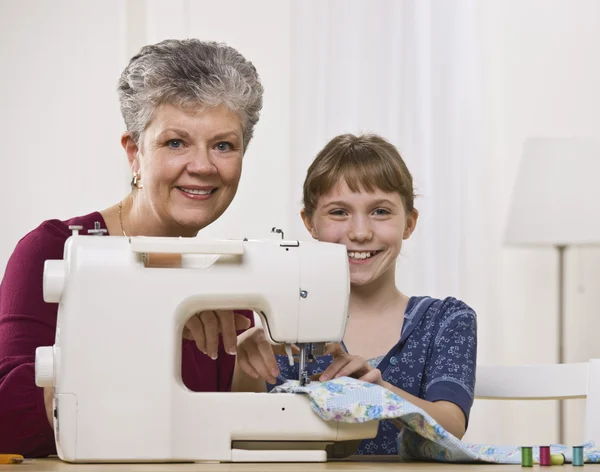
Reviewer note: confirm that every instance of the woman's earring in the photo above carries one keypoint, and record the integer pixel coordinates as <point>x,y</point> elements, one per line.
<point>134,181</point>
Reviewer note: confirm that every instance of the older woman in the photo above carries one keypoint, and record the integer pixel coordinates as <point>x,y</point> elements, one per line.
<point>190,108</point>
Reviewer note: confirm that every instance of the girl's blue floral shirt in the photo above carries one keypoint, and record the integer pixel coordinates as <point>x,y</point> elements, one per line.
<point>434,359</point>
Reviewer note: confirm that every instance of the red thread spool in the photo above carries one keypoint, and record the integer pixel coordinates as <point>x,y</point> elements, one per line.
<point>545,455</point>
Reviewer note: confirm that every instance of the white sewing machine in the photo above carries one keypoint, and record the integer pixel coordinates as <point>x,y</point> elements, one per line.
<point>116,362</point>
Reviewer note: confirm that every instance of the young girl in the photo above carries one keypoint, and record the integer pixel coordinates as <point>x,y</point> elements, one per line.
<point>359,192</point>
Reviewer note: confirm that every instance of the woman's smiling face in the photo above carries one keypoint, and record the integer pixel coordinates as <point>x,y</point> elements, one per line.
<point>190,163</point>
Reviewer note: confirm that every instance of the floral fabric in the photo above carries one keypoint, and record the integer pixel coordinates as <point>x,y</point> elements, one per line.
<point>419,436</point>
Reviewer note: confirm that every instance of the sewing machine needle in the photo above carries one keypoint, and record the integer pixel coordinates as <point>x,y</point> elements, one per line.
<point>302,366</point>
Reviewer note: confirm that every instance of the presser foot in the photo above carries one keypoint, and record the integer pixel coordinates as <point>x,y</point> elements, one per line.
<point>304,379</point>
<point>314,349</point>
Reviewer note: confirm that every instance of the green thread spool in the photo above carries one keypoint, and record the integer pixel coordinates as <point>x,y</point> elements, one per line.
<point>526,456</point>
<point>577,456</point>
<point>557,459</point>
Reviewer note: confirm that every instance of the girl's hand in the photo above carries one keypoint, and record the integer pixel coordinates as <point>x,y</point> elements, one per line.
<point>347,365</point>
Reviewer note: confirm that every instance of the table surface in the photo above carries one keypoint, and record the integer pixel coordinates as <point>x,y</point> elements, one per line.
<point>359,466</point>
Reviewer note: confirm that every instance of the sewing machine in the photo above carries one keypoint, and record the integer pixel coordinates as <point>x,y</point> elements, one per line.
<point>116,362</point>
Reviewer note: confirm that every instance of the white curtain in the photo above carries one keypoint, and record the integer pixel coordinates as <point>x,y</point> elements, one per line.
<point>411,71</point>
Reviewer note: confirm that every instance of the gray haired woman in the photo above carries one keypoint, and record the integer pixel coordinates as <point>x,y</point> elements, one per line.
<point>190,108</point>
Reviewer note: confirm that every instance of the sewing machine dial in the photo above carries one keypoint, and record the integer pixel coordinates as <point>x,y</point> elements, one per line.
<point>44,366</point>
<point>55,275</point>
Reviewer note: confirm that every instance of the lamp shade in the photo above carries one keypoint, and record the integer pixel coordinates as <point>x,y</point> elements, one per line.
<point>556,197</point>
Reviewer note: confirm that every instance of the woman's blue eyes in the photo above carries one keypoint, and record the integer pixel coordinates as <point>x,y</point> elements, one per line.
<point>178,144</point>
<point>223,146</point>
<point>174,143</point>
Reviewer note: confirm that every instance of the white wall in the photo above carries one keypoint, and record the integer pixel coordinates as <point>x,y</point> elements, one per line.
<point>60,128</point>
<point>59,122</point>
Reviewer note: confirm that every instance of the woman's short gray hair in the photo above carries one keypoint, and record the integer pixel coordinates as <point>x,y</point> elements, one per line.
<point>189,72</point>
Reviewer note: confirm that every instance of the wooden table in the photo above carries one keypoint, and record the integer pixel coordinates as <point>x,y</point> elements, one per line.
<point>56,465</point>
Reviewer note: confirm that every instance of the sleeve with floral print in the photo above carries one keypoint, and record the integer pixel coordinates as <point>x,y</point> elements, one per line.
<point>450,371</point>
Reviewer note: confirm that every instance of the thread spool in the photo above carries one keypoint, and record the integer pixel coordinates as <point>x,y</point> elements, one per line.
<point>557,459</point>
<point>545,455</point>
<point>577,456</point>
<point>526,456</point>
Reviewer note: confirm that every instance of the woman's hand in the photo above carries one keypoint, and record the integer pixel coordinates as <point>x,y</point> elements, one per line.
<point>204,328</point>
<point>347,365</point>
<point>48,403</point>
<point>256,356</point>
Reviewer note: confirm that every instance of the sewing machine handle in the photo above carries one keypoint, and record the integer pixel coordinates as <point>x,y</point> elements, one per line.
<point>143,244</point>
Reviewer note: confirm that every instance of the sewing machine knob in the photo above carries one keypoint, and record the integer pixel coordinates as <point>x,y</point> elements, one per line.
<point>44,366</point>
<point>55,273</point>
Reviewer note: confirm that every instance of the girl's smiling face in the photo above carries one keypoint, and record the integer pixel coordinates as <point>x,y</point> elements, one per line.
<point>371,224</point>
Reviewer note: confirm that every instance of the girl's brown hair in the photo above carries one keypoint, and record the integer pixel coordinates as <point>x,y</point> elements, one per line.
<point>367,162</point>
